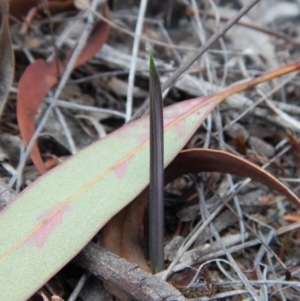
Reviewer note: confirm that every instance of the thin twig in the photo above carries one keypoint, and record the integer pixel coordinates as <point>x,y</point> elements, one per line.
<point>224,295</point>
<point>170,42</point>
<point>125,276</point>
<point>164,275</point>
<point>173,266</point>
<point>135,49</point>
<point>84,277</point>
<point>82,41</point>
<point>222,245</point>
<point>256,27</point>
<point>237,248</point>
<point>252,106</point>
<point>67,132</point>
<point>131,34</point>
<point>229,177</point>
<point>71,105</point>
<point>202,37</point>
<point>220,32</point>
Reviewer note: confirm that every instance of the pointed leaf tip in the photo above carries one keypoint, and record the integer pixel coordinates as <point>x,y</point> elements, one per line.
<point>154,83</point>
<point>154,77</point>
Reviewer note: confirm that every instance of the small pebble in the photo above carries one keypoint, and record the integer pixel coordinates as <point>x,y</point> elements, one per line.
<point>261,146</point>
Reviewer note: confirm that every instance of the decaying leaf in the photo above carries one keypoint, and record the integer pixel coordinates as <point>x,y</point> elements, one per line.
<point>122,235</point>
<point>31,94</point>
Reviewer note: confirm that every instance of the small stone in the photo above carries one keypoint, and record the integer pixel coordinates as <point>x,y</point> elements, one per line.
<point>261,146</point>
<point>235,130</point>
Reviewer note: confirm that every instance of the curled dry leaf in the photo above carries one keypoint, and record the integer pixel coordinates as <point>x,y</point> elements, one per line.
<point>122,234</point>
<point>200,160</point>
<point>6,56</point>
<point>40,77</point>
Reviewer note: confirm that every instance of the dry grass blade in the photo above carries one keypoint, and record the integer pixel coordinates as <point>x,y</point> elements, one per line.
<point>6,56</point>
<point>135,49</point>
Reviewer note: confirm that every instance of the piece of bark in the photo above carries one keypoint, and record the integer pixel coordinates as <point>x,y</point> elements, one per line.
<point>127,277</point>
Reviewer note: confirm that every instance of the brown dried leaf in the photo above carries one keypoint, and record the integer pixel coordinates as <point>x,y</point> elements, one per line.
<point>207,160</point>
<point>40,77</point>
<point>123,234</point>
